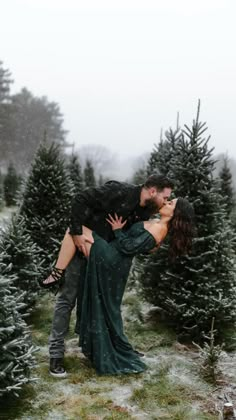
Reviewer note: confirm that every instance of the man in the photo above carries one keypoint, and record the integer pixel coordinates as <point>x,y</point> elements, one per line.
<point>90,208</point>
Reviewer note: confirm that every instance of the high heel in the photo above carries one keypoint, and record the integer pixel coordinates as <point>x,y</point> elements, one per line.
<point>57,279</point>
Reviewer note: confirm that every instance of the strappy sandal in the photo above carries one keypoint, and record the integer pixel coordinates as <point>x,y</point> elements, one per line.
<point>58,279</point>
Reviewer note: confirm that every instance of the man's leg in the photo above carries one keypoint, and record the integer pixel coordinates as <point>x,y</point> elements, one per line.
<point>60,325</point>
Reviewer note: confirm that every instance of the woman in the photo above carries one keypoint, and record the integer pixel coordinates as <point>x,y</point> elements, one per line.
<point>101,327</point>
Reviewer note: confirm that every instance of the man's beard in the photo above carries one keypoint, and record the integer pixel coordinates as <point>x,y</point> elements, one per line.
<point>151,205</point>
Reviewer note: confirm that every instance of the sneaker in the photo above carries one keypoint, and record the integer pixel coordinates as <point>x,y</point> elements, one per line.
<point>57,368</point>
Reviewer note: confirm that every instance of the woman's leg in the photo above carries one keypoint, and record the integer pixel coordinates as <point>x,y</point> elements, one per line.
<point>66,253</point>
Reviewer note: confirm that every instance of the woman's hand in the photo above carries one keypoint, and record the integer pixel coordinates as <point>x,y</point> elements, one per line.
<point>116,222</point>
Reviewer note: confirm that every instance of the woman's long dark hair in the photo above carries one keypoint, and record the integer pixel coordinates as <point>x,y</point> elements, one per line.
<point>181,229</point>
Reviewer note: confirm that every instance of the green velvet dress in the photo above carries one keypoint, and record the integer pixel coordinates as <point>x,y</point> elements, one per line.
<point>101,328</point>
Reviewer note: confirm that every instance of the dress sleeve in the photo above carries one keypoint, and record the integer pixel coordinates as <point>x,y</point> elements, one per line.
<point>130,245</point>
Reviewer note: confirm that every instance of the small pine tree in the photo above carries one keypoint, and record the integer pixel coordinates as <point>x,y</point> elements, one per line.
<point>47,201</point>
<point>226,187</point>
<point>11,185</point>
<point>75,173</point>
<point>16,350</point>
<point>21,255</point>
<point>89,177</point>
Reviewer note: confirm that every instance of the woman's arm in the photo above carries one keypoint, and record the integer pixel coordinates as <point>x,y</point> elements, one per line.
<point>130,245</point>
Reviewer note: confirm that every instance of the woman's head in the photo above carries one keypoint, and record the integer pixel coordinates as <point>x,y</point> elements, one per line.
<point>181,227</point>
<point>168,208</point>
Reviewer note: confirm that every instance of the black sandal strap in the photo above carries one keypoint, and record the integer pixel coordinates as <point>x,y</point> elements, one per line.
<point>58,276</point>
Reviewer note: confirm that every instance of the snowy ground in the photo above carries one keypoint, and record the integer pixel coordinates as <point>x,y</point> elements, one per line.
<point>171,388</point>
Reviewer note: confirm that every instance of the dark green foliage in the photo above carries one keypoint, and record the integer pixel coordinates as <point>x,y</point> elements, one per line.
<point>47,201</point>
<point>16,351</point>
<point>200,286</point>
<point>226,186</point>
<point>11,185</point>
<point>89,177</point>
<point>21,256</point>
<point>75,173</point>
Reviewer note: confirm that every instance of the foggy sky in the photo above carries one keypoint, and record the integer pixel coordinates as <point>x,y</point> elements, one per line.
<point>120,70</point>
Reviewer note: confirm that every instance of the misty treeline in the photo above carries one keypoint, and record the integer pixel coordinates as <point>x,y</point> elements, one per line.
<point>24,121</point>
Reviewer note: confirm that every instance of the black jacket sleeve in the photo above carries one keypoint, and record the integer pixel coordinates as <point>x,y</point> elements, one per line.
<point>104,199</point>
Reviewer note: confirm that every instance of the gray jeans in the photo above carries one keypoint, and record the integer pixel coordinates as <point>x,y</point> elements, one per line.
<point>71,290</point>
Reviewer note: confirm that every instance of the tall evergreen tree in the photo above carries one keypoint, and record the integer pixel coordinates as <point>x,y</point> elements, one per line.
<point>226,186</point>
<point>21,256</point>
<point>5,110</point>
<point>11,185</point>
<point>75,173</point>
<point>2,203</point>
<point>47,201</point>
<point>202,285</point>
<point>89,177</point>
<point>16,350</point>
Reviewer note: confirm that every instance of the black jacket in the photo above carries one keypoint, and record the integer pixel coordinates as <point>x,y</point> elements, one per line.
<point>92,206</point>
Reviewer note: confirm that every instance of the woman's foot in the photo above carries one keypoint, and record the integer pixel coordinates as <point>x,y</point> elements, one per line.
<point>56,278</point>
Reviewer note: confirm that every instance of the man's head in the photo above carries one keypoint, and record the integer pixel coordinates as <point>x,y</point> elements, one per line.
<point>155,192</point>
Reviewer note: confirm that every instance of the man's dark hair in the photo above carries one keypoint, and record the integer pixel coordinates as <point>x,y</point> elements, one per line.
<point>159,182</point>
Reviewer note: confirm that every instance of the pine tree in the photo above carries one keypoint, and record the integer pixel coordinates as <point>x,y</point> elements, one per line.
<point>200,286</point>
<point>11,185</point>
<point>21,255</point>
<point>5,111</point>
<point>75,173</point>
<point>162,154</point>
<point>160,160</point>
<point>16,350</point>
<point>89,177</point>
<point>47,201</point>
<point>226,187</point>
<point>2,203</point>
<point>139,176</point>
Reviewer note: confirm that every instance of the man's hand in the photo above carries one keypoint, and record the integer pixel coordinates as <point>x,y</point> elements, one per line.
<point>80,241</point>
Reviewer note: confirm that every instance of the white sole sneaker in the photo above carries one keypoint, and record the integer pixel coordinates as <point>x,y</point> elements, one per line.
<point>58,375</point>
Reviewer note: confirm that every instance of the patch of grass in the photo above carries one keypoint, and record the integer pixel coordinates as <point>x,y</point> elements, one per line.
<point>184,412</point>
<point>147,338</point>
<point>174,399</point>
<point>14,408</point>
<point>41,320</point>
<point>86,407</point>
